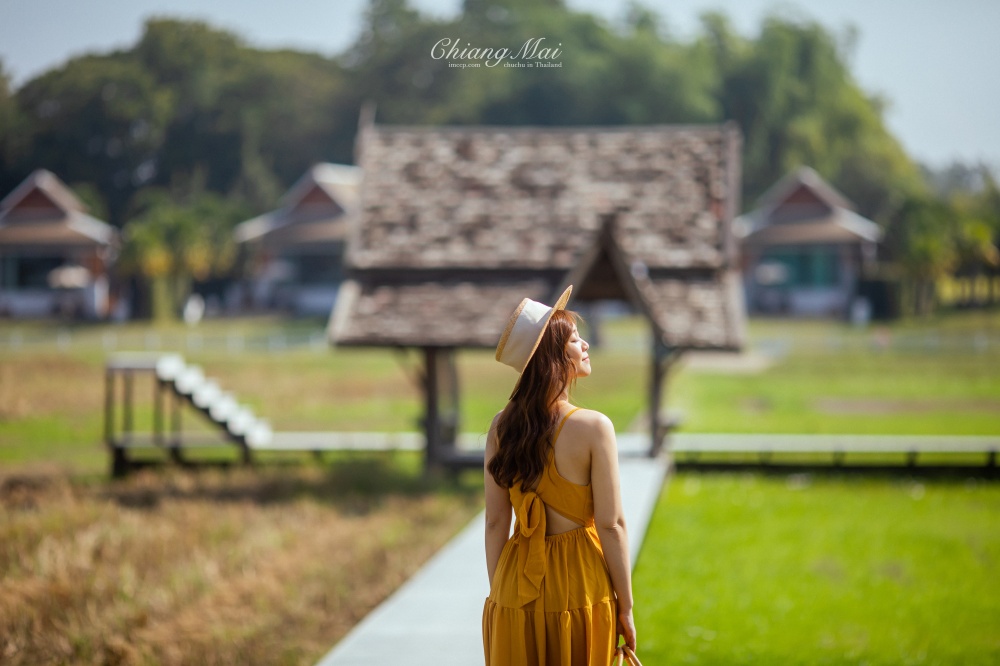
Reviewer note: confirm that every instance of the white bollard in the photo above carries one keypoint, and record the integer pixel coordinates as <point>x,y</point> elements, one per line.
<point>169,366</point>
<point>260,434</point>
<point>190,379</point>
<point>241,421</point>
<point>223,408</point>
<point>206,394</point>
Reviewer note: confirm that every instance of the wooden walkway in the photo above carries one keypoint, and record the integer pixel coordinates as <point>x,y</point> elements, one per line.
<point>690,449</point>
<point>755,443</point>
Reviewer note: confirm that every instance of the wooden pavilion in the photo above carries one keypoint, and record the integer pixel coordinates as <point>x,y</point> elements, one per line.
<point>458,224</point>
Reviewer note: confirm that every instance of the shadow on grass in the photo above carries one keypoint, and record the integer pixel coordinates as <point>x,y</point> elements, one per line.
<point>354,482</point>
<point>22,492</point>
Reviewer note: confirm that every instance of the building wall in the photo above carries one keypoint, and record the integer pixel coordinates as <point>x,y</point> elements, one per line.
<point>25,293</point>
<point>819,280</point>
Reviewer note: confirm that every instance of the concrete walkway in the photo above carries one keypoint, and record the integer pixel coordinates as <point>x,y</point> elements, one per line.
<point>435,617</point>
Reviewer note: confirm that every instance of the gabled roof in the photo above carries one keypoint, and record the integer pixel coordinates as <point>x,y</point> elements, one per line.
<point>458,224</point>
<point>841,226</point>
<point>803,176</point>
<point>43,212</point>
<point>338,181</point>
<point>47,183</point>
<point>780,221</point>
<point>305,219</point>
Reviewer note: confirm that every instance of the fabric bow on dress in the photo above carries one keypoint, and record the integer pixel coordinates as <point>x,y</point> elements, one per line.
<point>531,547</point>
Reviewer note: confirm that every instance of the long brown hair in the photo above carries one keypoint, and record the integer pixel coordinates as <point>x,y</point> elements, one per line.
<point>526,423</point>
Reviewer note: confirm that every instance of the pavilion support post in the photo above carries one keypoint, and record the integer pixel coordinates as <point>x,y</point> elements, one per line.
<point>127,407</point>
<point>175,428</point>
<point>246,455</point>
<point>109,407</point>
<point>119,462</point>
<point>119,456</point>
<point>158,389</point>
<point>432,424</point>
<point>663,358</point>
<point>441,406</point>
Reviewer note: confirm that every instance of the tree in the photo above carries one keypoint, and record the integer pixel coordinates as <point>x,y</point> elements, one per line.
<point>8,127</point>
<point>922,241</point>
<point>989,203</point>
<point>793,96</point>
<point>98,119</point>
<point>633,75</point>
<point>175,240</point>
<point>974,200</point>
<point>189,97</point>
<point>185,98</point>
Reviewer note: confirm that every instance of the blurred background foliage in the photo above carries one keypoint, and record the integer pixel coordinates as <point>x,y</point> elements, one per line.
<point>195,113</point>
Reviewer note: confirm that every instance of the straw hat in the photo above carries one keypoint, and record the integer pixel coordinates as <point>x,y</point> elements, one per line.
<point>525,329</point>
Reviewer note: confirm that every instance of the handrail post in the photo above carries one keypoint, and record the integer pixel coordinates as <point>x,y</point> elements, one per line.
<point>127,410</point>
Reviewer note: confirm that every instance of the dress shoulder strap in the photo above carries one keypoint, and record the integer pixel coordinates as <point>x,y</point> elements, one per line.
<point>562,423</point>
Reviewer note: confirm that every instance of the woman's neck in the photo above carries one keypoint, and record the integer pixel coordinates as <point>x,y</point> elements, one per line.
<point>561,397</point>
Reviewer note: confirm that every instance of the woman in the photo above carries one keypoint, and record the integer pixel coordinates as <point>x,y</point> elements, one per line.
<point>560,587</point>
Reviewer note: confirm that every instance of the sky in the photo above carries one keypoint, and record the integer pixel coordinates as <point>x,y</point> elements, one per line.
<point>936,62</point>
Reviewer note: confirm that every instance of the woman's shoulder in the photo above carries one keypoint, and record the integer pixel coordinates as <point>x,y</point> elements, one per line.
<point>491,435</point>
<point>590,422</point>
<point>590,416</point>
<point>594,430</point>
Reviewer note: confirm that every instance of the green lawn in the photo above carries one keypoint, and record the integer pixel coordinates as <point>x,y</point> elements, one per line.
<point>930,377</point>
<point>935,377</point>
<point>793,569</point>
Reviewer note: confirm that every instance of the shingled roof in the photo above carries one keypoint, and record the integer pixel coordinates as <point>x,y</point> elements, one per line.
<point>458,224</point>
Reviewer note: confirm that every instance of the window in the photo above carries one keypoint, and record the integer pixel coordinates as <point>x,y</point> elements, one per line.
<point>806,266</point>
<point>317,270</point>
<point>31,272</point>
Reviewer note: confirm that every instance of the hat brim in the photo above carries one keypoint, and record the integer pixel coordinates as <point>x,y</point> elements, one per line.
<point>560,304</point>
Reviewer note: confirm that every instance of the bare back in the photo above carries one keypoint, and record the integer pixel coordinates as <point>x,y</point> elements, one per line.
<point>572,453</point>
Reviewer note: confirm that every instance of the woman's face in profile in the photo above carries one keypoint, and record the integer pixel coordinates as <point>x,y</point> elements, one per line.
<point>576,348</point>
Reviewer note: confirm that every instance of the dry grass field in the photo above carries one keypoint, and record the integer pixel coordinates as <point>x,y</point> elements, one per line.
<point>265,565</point>
<point>246,566</point>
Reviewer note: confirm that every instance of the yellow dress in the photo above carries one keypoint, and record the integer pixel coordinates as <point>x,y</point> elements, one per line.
<point>551,602</point>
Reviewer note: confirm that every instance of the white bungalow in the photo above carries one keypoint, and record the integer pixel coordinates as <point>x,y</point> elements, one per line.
<point>54,257</point>
<point>805,251</point>
<point>297,250</point>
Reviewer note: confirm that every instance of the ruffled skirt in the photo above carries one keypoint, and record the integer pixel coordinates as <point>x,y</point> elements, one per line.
<point>571,623</point>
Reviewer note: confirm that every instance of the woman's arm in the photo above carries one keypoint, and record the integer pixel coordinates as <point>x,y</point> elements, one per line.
<point>609,519</point>
<point>498,509</point>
